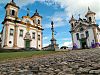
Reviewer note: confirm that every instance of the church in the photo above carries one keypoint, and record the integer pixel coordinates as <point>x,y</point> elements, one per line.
<point>21,33</point>
<point>85,32</point>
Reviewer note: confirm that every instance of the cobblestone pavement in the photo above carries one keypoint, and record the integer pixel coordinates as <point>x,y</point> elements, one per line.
<point>76,62</point>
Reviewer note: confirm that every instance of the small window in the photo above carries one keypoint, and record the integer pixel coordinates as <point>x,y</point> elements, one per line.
<point>87,34</point>
<point>38,21</point>
<point>81,29</point>
<point>90,19</point>
<point>72,24</point>
<point>33,35</point>
<point>21,33</point>
<point>33,21</point>
<point>10,42</point>
<point>0,40</point>
<point>39,45</point>
<point>12,12</point>
<point>77,35</point>
<point>11,32</point>
<point>38,37</point>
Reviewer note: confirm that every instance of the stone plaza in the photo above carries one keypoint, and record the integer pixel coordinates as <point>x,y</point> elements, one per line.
<point>73,62</point>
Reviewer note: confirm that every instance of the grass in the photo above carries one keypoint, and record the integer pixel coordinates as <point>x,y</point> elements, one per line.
<point>26,54</point>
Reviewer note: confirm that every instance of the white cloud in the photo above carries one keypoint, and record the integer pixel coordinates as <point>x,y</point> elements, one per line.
<point>19,2</point>
<point>58,18</point>
<point>45,38</point>
<point>68,44</point>
<point>45,44</point>
<point>77,7</point>
<point>67,39</point>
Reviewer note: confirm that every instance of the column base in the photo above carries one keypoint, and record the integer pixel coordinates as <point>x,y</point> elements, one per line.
<point>5,46</point>
<point>14,45</point>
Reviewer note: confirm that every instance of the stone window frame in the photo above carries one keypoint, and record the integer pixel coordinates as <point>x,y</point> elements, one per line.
<point>12,12</point>
<point>11,31</point>
<point>77,36</point>
<point>38,37</point>
<point>21,33</point>
<point>38,21</point>
<point>87,33</point>
<point>90,19</point>
<point>33,35</point>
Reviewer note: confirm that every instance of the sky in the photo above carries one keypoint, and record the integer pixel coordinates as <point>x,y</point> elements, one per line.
<point>59,11</point>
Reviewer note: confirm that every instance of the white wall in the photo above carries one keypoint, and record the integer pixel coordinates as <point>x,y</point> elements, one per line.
<point>10,37</point>
<point>34,41</point>
<point>91,37</point>
<point>39,41</point>
<point>20,40</point>
<point>77,42</point>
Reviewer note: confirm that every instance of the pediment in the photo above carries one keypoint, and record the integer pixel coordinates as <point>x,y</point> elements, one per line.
<point>27,36</point>
<point>27,19</point>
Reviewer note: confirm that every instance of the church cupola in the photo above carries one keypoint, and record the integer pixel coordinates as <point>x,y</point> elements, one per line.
<point>72,21</point>
<point>36,18</point>
<point>11,9</point>
<point>90,16</point>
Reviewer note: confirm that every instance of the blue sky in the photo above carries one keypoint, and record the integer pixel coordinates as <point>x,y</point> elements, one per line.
<point>59,11</point>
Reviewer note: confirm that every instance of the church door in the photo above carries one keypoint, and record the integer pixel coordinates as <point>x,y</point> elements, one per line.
<point>83,43</point>
<point>27,43</point>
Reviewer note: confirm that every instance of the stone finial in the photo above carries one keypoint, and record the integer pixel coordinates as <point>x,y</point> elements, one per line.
<point>88,8</point>
<point>36,11</point>
<point>28,11</point>
<point>52,23</point>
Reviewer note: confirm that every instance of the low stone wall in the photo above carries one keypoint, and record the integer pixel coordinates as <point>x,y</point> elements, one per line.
<point>76,62</point>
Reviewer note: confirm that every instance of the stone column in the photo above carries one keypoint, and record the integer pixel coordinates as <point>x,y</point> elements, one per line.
<point>15,36</point>
<point>6,35</point>
<point>95,36</point>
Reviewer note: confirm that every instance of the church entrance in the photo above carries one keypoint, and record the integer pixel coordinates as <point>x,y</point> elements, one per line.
<point>83,43</point>
<point>27,43</point>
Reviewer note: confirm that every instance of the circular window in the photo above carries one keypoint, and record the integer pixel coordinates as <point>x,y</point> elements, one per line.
<point>39,45</point>
<point>10,42</point>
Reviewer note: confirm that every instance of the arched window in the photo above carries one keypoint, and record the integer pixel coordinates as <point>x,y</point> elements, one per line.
<point>33,21</point>
<point>38,21</point>
<point>12,12</point>
<point>77,36</point>
<point>87,34</point>
<point>90,19</point>
<point>81,29</point>
<point>72,24</point>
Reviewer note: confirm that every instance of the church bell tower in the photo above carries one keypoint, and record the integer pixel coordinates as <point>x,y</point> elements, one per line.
<point>11,10</point>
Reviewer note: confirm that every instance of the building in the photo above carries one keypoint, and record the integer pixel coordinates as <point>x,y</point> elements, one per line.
<point>21,33</point>
<point>85,32</point>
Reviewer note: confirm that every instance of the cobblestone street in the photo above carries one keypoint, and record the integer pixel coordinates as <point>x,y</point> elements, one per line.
<point>76,62</point>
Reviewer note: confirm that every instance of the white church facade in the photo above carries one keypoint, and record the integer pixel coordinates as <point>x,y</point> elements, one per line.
<point>85,32</point>
<point>21,33</point>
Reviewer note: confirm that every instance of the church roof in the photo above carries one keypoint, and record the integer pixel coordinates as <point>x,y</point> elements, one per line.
<point>36,14</point>
<point>12,3</point>
<point>89,12</point>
